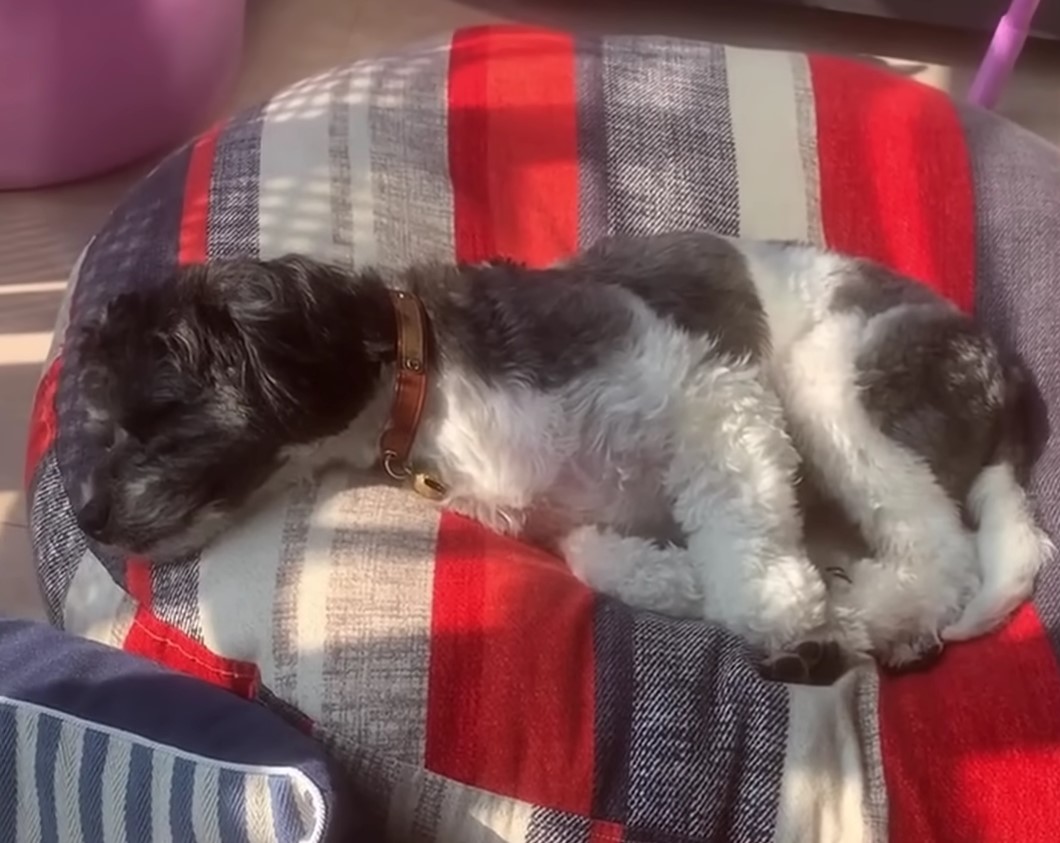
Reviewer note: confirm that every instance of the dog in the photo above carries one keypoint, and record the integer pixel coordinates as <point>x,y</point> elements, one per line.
<point>652,409</point>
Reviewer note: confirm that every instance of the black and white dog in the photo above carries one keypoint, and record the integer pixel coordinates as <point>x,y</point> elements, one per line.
<point>650,409</point>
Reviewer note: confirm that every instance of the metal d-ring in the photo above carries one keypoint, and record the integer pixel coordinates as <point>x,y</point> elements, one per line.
<point>393,467</point>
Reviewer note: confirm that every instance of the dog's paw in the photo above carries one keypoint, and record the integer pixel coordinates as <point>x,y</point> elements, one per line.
<point>808,663</point>
<point>897,615</point>
<point>908,653</point>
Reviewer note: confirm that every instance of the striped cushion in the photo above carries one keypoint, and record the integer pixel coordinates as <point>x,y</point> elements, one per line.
<point>96,745</point>
<point>470,685</point>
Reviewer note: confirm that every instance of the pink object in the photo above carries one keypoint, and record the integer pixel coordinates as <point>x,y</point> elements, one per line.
<point>1005,48</point>
<point>89,85</point>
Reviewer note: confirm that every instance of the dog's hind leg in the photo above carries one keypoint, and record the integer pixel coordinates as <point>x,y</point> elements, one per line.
<point>897,603</point>
<point>661,578</point>
<point>732,482</point>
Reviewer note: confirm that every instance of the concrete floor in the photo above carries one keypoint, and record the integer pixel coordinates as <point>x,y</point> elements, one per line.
<point>42,231</point>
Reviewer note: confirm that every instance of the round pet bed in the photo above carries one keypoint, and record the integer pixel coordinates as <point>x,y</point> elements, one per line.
<point>473,689</point>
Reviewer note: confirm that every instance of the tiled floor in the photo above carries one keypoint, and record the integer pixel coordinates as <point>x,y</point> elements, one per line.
<point>41,232</point>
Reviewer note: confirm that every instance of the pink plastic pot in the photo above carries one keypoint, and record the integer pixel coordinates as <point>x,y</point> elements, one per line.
<point>90,85</point>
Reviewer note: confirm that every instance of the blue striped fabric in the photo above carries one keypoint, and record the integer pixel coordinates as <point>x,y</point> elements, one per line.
<point>63,779</point>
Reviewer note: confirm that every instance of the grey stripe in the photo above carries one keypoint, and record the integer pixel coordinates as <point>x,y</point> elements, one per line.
<point>806,110</point>
<point>58,544</point>
<point>548,826</point>
<point>339,168</point>
<point>377,655</point>
<point>408,117</point>
<point>706,727</point>
<point>285,645</point>
<point>1017,207</point>
<point>592,140</point>
<point>232,224</point>
<point>671,164</point>
<point>378,612</point>
<point>175,597</point>
<point>868,720</point>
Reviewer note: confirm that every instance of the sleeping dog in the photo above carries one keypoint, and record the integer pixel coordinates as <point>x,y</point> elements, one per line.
<point>649,409</point>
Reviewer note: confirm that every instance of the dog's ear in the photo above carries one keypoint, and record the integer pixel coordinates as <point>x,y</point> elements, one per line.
<point>300,307</point>
<point>312,337</point>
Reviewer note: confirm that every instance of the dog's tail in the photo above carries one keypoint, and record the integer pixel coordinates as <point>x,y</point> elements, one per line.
<point>1011,546</point>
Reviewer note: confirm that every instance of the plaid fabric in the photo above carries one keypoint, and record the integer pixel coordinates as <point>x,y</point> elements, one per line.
<point>475,690</point>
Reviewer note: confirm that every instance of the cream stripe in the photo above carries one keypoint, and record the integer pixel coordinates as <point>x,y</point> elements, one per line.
<point>469,814</point>
<point>115,783</point>
<point>314,580</point>
<point>237,585</point>
<point>360,102</point>
<point>67,782</point>
<point>259,810</point>
<point>161,786</point>
<point>294,186</point>
<point>205,810</point>
<point>96,607</point>
<point>27,815</point>
<point>411,184</point>
<point>829,759</point>
<point>765,128</point>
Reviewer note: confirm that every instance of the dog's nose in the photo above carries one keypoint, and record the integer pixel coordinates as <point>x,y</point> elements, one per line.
<point>94,515</point>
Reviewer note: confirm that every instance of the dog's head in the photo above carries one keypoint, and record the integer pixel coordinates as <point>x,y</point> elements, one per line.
<point>197,388</point>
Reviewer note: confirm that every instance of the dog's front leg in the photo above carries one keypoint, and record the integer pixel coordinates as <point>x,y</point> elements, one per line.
<point>732,479</point>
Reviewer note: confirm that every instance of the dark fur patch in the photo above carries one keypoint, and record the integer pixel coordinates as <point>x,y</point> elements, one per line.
<point>931,381</point>
<point>196,385</point>
<point>509,323</point>
<point>697,280</point>
<point>871,289</point>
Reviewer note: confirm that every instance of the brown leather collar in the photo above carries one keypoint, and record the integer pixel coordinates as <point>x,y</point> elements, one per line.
<point>410,394</point>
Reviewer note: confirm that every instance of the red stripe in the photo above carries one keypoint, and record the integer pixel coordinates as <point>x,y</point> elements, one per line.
<point>161,642</point>
<point>971,748</point>
<point>513,153</point>
<point>153,638</point>
<point>43,424</point>
<point>606,832</point>
<point>895,177</point>
<point>511,675</point>
<point>138,580</point>
<point>192,246</point>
